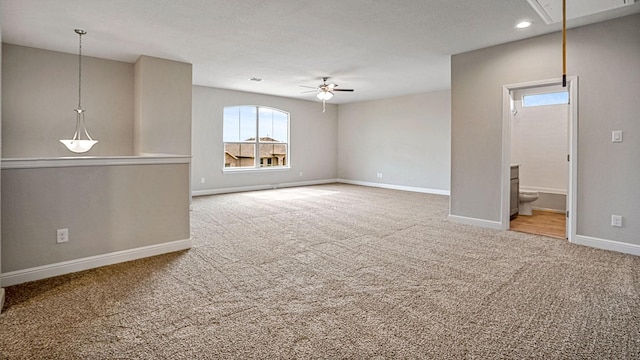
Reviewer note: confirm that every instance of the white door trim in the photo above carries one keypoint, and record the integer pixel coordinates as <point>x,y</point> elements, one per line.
<point>572,85</point>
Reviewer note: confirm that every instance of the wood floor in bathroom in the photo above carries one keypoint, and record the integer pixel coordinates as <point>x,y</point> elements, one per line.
<point>542,222</point>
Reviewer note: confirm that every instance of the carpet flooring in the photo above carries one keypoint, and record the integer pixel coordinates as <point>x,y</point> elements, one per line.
<point>336,272</point>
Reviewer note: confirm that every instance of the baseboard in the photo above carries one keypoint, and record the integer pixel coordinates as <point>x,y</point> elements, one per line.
<point>605,244</point>
<point>396,187</point>
<point>317,182</point>
<point>261,187</point>
<point>544,190</point>
<point>496,225</point>
<point>549,210</point>
<point>91,262</point>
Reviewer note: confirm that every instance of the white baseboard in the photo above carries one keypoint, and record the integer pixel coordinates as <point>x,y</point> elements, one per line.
<point>91,262</point>
<point>549,210</point>
<point>261,187</point>
<point>544,190</point>
<point>605,244</point>
<point>317,182</point>
<point>396,187</point>
<point>496,225</point>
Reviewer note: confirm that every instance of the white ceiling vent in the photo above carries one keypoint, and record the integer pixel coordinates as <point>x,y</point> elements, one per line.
<point>551,10</point>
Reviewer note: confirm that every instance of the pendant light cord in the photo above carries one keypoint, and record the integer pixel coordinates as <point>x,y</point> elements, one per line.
<point>80,33</point>
<point>80,72</point>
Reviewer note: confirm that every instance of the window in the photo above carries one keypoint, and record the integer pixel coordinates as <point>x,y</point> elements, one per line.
<point>255,137</point>
<point>554,98</point>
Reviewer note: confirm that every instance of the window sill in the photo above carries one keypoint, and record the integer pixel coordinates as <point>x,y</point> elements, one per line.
<point>249,170</point>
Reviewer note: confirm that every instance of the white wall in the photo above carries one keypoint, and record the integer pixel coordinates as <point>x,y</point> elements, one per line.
<point>41,91</point>
<point>406,138</point>
<point>313,142</point>
<point>539,144</point>
<point>605,57</point>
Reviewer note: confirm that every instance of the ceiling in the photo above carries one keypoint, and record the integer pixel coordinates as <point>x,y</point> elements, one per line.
<point>381,48</point>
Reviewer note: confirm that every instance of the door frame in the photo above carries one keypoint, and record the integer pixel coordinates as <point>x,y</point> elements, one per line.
<point>572,186</point>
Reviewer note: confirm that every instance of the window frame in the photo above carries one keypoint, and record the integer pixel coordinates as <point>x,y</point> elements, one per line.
<point>257,163</point>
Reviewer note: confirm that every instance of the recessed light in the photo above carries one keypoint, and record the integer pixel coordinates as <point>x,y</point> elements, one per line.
<point>255,79</point>
<point>523,24</point>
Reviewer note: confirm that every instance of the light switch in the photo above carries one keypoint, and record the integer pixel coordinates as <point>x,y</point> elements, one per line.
<point>616,136</point>
<point>616,220</point>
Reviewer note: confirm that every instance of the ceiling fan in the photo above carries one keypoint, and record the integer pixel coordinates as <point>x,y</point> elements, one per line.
<point>324,90</point>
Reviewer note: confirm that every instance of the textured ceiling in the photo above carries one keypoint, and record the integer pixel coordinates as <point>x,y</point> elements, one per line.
<point>381,48</point>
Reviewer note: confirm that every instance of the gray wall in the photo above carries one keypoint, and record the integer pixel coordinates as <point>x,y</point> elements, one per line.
<point>606,58</point>
<point>105,208</point>
<point>41,91</point>
<point>313,141</point>
<point>162,120</point>
<point>407,139</point>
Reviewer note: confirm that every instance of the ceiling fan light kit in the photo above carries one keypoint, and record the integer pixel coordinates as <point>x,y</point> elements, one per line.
<point>324,95</point>
<point>325,91</point>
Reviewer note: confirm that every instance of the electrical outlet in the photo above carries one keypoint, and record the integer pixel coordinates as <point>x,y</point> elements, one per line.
<point>616,136</point>
<point>201,180</point>
<point>616,220</point>
<point>62,236</point>
<point>379,175</point>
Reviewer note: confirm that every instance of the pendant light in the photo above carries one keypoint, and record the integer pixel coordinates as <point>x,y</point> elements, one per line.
<point>77,144</point>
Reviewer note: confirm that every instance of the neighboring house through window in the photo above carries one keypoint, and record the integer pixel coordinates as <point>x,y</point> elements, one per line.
<point>255,137</point>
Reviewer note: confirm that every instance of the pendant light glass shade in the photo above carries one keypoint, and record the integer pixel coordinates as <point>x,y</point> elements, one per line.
<point>77,144</point>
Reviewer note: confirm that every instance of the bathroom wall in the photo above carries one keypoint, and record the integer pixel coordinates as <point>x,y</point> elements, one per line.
<point>539,144</point>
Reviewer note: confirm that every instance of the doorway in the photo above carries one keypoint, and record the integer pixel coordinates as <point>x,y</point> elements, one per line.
<point>542,222</point>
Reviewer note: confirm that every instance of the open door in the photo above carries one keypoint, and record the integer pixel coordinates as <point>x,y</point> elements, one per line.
<point>510,94</point>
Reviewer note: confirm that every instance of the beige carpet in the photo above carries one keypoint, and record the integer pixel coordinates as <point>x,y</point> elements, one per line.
<point>336,271</point>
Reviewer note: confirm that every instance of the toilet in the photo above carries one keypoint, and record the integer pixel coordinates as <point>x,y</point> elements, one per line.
<point>525,198</point>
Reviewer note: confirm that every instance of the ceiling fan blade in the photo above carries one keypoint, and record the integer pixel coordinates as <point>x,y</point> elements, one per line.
<point>351,90</point>
<point>310,87</point>
<point>308,91</point>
